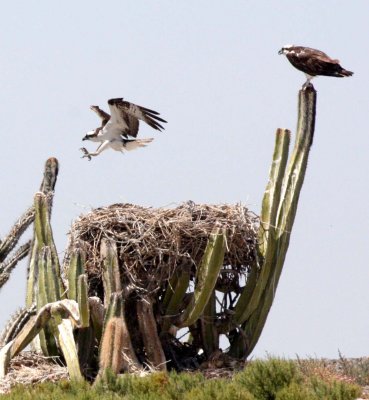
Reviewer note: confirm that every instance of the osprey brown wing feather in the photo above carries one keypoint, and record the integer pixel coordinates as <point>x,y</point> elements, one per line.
<point>102,114</point>
<point>145,114</point>
<point>134,125</point>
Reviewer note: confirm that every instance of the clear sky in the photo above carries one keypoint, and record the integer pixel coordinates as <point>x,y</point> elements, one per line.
<point>212,70</point>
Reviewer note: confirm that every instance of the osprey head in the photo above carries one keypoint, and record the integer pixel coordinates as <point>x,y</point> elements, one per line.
<point>286,49</point>
<point>91,135</point>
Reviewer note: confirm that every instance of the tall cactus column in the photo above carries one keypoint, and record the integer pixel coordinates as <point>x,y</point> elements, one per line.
<point>277,217</point>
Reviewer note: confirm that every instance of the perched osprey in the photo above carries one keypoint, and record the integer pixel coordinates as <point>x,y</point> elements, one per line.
<point>313,62</point>
<point>118,130</point>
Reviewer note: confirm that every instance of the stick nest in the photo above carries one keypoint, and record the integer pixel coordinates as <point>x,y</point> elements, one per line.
<point>29,368</point>
<point>152,243</point>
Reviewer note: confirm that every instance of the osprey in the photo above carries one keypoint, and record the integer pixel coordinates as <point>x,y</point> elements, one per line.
<point>118,129</point>
<point>313,62</point>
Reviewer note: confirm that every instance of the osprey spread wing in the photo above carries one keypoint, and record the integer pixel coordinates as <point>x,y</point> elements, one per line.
<point>118,129</point>
<point>313,62</point>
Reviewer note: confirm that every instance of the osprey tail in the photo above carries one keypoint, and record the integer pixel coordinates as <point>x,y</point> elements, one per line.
<point>344,72</point>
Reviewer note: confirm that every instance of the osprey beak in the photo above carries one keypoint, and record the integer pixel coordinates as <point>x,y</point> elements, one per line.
<point>85,138</point>
<point>280,51</point>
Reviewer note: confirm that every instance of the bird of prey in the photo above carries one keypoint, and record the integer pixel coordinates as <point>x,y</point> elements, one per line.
<point>313,62</point>
<point>119,130</point>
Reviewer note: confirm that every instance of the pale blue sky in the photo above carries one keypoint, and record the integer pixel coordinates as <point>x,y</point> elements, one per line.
<point>211,69</point>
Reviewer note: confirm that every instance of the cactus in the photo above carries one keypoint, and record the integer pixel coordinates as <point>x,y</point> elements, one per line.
<point>175,293</point>
<point>43,238</point>
<point>111,275</point>
<point>60,309</point>
<point>209,331</point>
<point>148,329</point>
<point>64,335</point>
<point>7,266</point>
<point>16,324</point>
<point>129,360</point>
<point>278,214</point>
<point>77,283</point>
<point>11,240</point>
<point>97,311</point>
<point>50,175</point>
<point>74,327</point>
<point>45,295</point>
<point>83,304</point>
<point>76,268</point>
<point>206,277</point>
<point>257,278</point>
<point>111,353</point>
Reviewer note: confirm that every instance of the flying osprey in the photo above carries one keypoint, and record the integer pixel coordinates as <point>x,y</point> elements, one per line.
<point>118,129</point>
<point>313,62</point>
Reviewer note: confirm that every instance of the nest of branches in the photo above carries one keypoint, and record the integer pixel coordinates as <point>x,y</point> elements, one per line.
<point>152,243</point>
<point>29,368</point>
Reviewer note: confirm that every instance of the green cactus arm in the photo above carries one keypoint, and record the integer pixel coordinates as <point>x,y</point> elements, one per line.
<point>295,178</point>
<point>41,289</point>
<point>206,278</point>
<point>298,164</point>
<point>47,293</point>
<point>44,239</point>
<point>272,194</point>
<point>64,335</point>
<point>43,231</point>
<point>32,276</point>
<point>254,321</point>
<point>76,268</point>
<point>177,295</point>
<point>41,219</point>
<point>115,307</point>
<point>209,332</point>
<point>11,240</point>
<point>257,278</point>
<point>84,308</point>
<point>66,308</point>
<point>97,311</point>
<point>54,283</point>
<point>171,287</point>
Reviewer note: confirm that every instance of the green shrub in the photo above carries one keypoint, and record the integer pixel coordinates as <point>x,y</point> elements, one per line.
<point>218,389</point>
<point>296,391</point>
<point>335,390</point>
<point>272,379</point>
<point>265,378</point>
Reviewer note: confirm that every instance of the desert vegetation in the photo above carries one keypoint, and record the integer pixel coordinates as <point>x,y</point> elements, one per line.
<point>143,289</point>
